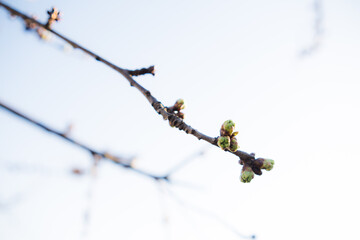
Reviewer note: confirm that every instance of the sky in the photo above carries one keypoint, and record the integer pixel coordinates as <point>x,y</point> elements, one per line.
<point>241,60</point>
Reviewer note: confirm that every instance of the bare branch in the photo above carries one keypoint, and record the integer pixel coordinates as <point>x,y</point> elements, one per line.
<point>175,118</point>
<point>102,155</point>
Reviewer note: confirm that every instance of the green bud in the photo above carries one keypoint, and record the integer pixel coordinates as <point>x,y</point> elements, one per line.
<point>227,128</point>
<point>246,174</point>
<point>224,142</point>
<point>180,101</point>
<point>268,164</point>
<point>233,144</point>
<point>180,104</point>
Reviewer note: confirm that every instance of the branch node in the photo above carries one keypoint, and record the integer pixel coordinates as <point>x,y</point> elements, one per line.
<point>54,16</point>
<point>142,71</point>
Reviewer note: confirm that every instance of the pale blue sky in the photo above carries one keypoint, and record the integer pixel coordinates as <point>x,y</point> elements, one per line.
<point>227,59</point>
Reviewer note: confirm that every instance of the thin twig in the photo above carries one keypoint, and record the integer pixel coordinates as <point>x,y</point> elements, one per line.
<point>112,158</point>
<point>207,213</point>
<point>318,29</point>
<point>157,105</point>
<point>89,196</point>
<point>185,162</point>
<point>164,210</point>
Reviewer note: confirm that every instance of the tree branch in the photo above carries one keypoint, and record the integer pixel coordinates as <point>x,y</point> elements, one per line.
<point>105,155</point>
<point>157,105</point>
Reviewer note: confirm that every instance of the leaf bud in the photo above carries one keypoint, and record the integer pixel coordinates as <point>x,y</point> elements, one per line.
<point>179,104</point>
<point>224,142</point>
<point>233,145</point>
<point>268,164</point>
<point>227,128</point>
<point>246,174</point>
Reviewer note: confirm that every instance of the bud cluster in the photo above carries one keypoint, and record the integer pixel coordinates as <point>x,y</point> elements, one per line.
<point>249,170</point>
<point>176,109</point>
<point>227,139</point>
